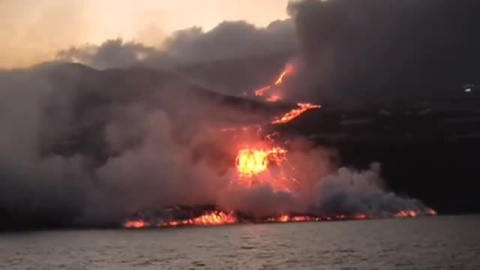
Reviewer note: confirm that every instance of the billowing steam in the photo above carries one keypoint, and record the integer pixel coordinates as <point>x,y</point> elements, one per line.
<point>350,192</point>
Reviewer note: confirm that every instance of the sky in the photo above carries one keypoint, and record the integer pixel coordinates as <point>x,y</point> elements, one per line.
<point>33,31</point>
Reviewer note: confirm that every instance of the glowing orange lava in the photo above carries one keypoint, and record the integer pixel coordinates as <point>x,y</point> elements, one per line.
<point>252,161</point>
<point>289,116</point>
<point>274,97</point>
<point>288,69</point>
<point>406,213</point>
<point>261,92</point>
<point>135,224</point>
<point>213,218</point>
<point>361,216</point>
<point>288,218</point>
<point>254,165</point>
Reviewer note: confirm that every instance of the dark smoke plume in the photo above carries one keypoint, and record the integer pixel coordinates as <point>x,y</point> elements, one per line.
<point>228,40</point>
<point>364,50</point>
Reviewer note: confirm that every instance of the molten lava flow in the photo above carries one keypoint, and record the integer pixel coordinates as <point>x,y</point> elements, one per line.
<point>215,218</point>
<point>288,69</point>
<point>413,213</point>
<point>284,218</point>
<point>289,218</point>
<point>264,165</point>
<point>261,92</point>
<point>135,224</point>
<point>274,97</point>
<point>406,213</point>
<point>208,219</point>
<point>360,216</point>
<point>252,161</point>
<point>289,116</point>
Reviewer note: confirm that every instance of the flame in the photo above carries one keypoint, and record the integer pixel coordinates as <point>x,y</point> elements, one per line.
<point>294,113</point>
<point>252,161</point>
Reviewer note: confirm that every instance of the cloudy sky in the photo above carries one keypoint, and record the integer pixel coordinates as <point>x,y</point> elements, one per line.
<point>34,30</point>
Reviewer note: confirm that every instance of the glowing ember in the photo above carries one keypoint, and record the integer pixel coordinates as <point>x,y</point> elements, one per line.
<point>289,116</point>
<point>251,161</point>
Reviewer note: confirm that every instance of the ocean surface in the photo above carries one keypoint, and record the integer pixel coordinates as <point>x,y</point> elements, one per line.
<point>422,243</point>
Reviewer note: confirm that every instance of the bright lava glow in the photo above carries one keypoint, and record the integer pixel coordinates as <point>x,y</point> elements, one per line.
<point>265,165</point>
<point>215,218</point>
<point>288,69</point>
<point>274,97</point>
<point>251,161</point>
<point>261,92</point>
<point>289,116</point>
<point>135,224</point>
<point>208,219</point>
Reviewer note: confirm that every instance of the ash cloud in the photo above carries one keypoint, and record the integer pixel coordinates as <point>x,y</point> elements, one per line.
<point>231,58</point>
<point>351,52</point>
<point>379,50</point>
<point>228,40</point>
